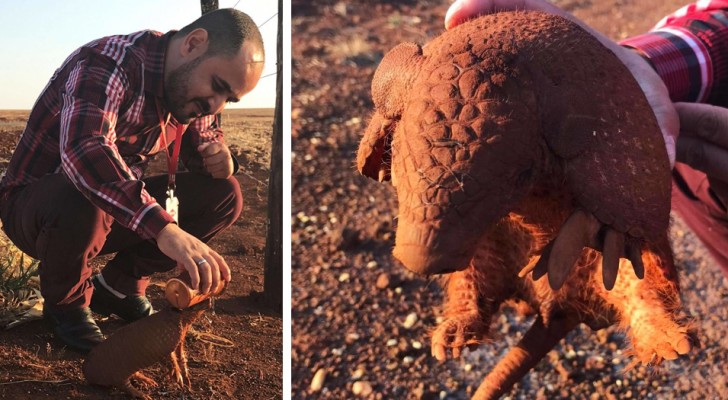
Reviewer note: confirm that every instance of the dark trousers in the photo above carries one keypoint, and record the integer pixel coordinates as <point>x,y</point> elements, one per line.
<point>701,211</point>
<point>53,222</point>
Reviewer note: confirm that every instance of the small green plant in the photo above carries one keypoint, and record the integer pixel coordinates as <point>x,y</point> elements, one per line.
<point>16,272</point>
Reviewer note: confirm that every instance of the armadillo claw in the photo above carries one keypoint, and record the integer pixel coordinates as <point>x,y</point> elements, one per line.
<point>456,333</point>
<point>660,339</point>
<point>540,267</point>
<point>612,250</point>
<point>144,380</point>
<point>580,230</point>
<point>134,392</point>
<point>634,253</point>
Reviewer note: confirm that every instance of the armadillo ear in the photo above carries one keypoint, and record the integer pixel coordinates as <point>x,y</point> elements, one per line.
<point>373,158</point>
<point>393,78</point>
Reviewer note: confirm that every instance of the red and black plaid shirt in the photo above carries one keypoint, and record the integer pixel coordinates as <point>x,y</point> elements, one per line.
<point>689,50</point>
<point>96,122</point>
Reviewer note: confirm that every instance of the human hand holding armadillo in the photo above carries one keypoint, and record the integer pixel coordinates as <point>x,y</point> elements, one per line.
<point>519,145</point>
<point>158,337</point>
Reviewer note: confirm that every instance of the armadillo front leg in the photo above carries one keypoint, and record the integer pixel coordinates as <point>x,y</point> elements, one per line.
<point>475,294</point>
<point>463,324</point>
<point>136,393</point>
<point>175,373</point>
<point>182,355</point>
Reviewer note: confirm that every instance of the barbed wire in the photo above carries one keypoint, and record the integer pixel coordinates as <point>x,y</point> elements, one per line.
<point>266,21</point>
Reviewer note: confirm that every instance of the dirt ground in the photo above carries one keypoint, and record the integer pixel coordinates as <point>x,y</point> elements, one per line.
<point>246,364</point>
<point>360,320</point>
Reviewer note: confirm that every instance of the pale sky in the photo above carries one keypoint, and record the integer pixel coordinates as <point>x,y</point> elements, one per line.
<point>38,35</point>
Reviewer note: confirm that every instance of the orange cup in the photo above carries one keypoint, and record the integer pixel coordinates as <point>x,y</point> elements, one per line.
<point>181,296</point>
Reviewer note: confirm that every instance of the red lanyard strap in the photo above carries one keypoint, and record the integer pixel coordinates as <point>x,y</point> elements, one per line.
<point>174,158</point>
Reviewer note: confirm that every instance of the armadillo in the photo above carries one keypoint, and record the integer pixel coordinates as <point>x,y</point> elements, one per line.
<point>520,145</point>
<point>147,341</point>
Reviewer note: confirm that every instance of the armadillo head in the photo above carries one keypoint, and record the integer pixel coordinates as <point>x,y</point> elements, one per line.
<point>458,165</point>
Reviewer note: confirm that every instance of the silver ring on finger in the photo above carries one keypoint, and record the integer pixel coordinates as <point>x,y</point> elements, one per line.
<point>199,263</point>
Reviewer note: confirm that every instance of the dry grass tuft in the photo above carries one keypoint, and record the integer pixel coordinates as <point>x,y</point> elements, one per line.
<point>20,299</point>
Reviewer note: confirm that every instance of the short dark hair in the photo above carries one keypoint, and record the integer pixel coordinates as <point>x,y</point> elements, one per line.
<point>227,29</point>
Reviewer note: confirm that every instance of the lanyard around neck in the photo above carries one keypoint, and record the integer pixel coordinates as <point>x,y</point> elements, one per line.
<point>174,157</point>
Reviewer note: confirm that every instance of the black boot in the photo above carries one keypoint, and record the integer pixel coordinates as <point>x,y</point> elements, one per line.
<point>75,327</point>
<point>130,308</point>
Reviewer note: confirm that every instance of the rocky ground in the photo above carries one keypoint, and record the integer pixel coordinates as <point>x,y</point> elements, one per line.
<point>243,358</point>
<point>360,321</point>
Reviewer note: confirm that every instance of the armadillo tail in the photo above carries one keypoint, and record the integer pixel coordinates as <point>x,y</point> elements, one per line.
<point>538,341</point>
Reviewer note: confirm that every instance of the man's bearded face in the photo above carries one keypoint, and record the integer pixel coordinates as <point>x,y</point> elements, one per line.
<point>177,93</point>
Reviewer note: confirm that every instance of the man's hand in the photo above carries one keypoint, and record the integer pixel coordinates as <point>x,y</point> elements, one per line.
<point>651,83</point>
<point>217,158</point>
<point>189,252</point>
<point>703,143</point>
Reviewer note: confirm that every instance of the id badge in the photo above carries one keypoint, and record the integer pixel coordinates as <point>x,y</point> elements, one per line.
<point>172,205</point>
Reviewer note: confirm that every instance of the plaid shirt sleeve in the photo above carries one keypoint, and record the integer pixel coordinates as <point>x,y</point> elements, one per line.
<point>202,130</point>
<point>90,159</point>
<point>689,50</point>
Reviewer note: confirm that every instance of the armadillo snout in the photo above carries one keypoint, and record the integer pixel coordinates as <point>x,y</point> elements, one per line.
<point>425,251</point>
<point>421,261</point>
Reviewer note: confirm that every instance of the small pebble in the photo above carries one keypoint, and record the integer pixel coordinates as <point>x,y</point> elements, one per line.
<point>416,345</point>
<point>410,321</point>
<point>391,342</point>
<point>382,281</point>
<point>344,277</point>
<point>362,388</point>
<point>318,380</point>
<point>371,264</point>
<point>358,373</point>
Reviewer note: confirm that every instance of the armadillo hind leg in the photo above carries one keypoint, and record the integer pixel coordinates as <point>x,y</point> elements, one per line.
<point>649,307</point>
<point>175,373</point>
<point>145,380</point>
<point>134,392</point>
<point>538,340</point>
